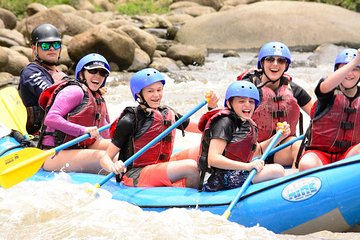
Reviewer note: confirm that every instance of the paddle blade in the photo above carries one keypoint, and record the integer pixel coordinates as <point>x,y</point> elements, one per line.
<point>20,165</point>
<point>13,112</point>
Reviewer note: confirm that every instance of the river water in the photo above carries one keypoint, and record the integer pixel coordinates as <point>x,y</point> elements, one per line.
<point>60,210</point>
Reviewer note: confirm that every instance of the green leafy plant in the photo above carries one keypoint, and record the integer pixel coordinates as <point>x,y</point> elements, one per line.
<point>134,7</point>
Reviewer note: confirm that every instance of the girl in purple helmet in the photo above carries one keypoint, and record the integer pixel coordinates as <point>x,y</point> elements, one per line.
<point>281,98</point>
<point>230,141</point>
<point>137,126</point>
<point>73,108</point>
<point>335,124</point>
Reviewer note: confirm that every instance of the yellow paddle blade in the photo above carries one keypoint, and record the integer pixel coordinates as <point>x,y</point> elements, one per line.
<point>12,110</point>
<point>20,165</point>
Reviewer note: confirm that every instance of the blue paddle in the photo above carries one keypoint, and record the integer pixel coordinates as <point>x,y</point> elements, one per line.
<point>155,140</point>
<point>252,174</point>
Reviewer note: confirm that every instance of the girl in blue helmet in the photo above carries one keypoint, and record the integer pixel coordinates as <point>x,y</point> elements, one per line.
<point>335,124</point>
<point>281,98</point>
<point>137,126</point>
<point>73,108</point>
<point>230,141</point>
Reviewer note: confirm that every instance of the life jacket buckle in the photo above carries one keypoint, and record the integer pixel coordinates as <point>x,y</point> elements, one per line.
<point>279,114</point>
<point>347,125</point>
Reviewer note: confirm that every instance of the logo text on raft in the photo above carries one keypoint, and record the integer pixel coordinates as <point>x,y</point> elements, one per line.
<point>301,189</point>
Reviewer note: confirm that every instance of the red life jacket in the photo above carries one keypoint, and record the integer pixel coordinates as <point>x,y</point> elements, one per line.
<point>337,129</point>
<point>241,147</point>
<point>161,119</point>
<point>274,107</point>
<point>93,104</point>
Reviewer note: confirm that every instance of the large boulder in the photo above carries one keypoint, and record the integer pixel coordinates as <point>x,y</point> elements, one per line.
<point>8,18</point>
<point>250,26</point>
<point>117,48</point>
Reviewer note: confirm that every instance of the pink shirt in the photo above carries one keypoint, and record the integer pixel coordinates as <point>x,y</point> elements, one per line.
<point>66,101</point>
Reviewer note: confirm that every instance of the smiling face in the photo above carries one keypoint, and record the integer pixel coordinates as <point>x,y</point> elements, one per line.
<point>94,78</point>
<point>244,107</point>
<point>153,94</point>
<point>274,67</point>
<point>351,78</point>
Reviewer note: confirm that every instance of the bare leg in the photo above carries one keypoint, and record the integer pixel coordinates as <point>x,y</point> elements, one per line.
<point>309,160</point>
<point>287,156</point>
<point>270,171</point>
<point>184,169</point>
<point>77,160</point>
<point>188,153</point>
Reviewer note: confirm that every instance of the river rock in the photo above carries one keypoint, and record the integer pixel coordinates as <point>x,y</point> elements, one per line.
<point>301,24</point>
<point>8,18</point>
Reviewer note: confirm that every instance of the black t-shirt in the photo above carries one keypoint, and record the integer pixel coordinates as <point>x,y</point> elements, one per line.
<point>126,126</point>
<point>300,94</point>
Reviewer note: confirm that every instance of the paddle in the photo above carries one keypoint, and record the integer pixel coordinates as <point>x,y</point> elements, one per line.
<point>13,112</point>
<point>22,164</point>
<point>252,174</point>
<point>155,140</point>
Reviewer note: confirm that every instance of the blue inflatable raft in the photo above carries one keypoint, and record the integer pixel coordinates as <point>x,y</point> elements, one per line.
<point>324,198</point>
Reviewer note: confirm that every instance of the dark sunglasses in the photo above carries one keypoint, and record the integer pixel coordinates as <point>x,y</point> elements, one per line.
<point>47,45</point>
<point>101,72</point>
<point>279,60</point>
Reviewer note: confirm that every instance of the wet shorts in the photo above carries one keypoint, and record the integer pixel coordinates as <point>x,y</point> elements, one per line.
<point>154,175</point>
<point>225,179</point>
<point>327,158</point>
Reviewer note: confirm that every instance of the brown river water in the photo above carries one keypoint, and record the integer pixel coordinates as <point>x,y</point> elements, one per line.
<point>59,209</point>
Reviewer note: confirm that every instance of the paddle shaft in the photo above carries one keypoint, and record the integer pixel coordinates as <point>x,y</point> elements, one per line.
<point>155,140</point>
<point>252,174</point>
<point>45,154</point>
<point>79,139</point>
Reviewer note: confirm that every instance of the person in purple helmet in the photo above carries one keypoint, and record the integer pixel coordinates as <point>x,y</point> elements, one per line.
<point>137,126</point>
<point>229,141</point>
<point>335,123</point>
<point>73,108</point>
<point>41,73</point>
<point>281,99</point>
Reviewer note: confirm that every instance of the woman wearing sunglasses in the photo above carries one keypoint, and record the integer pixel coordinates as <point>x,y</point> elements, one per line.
<point>281,99</point>
<point>41,73</point>
<point>73,108</point>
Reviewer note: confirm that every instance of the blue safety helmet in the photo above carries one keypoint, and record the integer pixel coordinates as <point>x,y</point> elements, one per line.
<point>345,56</point>
<point>242,89</point>
<point>144,78</point>
<point>274,49</point>
<point>92,61</point>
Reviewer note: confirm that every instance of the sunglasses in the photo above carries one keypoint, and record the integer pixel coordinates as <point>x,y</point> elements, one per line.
<point>47,45</point>
<point>279,60</point>
<point>101,72</point>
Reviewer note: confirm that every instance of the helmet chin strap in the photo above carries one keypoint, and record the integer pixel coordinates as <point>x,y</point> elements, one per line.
<point>346,89</point>
<point>269,80</point>
<point>143,103</point>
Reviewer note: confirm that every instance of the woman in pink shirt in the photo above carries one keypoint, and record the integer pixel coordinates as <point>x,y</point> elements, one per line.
<point>74,108</point>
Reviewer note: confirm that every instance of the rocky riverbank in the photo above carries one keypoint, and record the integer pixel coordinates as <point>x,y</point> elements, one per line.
<point>175,40</point>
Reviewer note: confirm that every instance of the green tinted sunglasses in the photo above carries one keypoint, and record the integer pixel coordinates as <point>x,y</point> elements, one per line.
<point>47,45</point>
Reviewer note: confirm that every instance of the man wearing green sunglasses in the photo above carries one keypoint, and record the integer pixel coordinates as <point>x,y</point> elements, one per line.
<point>41,73</point>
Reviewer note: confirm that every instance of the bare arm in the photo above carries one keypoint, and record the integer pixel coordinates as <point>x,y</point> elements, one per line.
<point>216,159</point>
<point>335,78</point>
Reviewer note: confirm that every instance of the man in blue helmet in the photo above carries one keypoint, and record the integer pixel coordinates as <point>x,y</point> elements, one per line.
<point>281,98</point>
<point>335,124</point>
<point>41,73</point>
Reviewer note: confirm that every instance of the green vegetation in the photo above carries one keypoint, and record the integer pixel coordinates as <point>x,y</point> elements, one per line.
<point>134,7</point>
<point>18,7</point>
<point>349,4</point>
